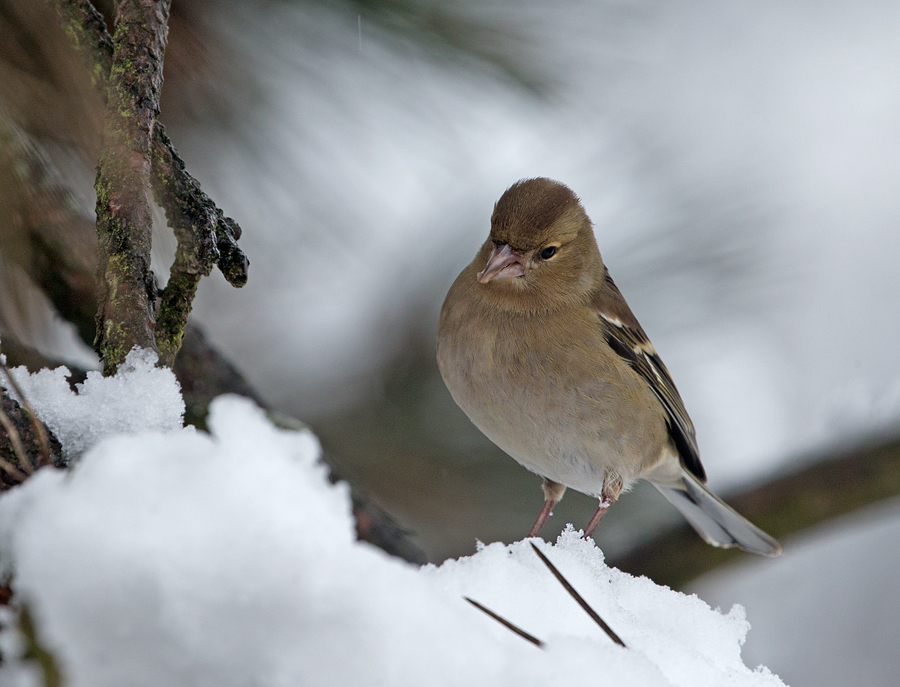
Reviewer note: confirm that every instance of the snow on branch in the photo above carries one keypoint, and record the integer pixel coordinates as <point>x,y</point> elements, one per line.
<point>25,442</point>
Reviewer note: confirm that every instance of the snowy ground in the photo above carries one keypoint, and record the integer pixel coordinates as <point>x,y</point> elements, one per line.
<point>173,557</point>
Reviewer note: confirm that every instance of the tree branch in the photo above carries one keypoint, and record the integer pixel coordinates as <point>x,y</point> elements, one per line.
<point>126,285</point>
<point>205,235</point>
<point>205,238</point>
<point>788,504</point>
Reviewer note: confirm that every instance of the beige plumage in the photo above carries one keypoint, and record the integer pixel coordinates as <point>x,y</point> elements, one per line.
<point>539,348</point>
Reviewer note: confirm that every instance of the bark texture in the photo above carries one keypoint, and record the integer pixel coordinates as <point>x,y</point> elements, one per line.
<point>126,285</point>
<point>206,236</point>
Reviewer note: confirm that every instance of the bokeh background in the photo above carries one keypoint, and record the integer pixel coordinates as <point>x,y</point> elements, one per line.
<point>740,161</point>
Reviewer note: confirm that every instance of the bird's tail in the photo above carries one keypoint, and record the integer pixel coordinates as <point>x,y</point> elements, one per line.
<point>714,520</point>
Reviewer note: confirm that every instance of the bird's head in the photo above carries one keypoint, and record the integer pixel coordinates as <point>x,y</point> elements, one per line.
<point>541,251</point>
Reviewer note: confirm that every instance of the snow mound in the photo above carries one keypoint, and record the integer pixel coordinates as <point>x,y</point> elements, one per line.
<point>139,397</point>
<point>183,558</point>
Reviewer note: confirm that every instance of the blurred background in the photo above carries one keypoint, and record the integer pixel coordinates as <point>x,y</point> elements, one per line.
<point>741,164</point>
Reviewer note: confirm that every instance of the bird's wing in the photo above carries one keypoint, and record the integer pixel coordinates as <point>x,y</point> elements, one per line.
<point>626,337</point>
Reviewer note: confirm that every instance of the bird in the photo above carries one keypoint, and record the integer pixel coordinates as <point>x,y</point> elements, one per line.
<point>538,347</point>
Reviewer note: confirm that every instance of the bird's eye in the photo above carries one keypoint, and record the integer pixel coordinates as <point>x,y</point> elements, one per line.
<point>548,252</point>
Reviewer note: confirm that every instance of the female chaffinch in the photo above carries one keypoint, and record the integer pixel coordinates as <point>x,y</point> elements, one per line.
<point>539,348</point>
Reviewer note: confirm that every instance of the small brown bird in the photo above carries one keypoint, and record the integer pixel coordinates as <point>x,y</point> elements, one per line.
<point>541,351</point>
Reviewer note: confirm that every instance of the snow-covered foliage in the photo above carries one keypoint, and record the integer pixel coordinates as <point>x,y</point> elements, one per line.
<point>167,556</point>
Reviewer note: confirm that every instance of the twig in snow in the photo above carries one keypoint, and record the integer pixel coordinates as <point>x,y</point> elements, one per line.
<point>503,621</point>
<point>575,595</point>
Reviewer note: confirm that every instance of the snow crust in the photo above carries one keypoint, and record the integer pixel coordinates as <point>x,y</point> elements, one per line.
<point>167,556</point>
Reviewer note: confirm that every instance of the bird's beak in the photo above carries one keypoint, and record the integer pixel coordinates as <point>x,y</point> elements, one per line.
<point>502,264</point>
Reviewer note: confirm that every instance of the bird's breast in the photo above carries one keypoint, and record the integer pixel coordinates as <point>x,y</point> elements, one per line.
<point>551,395</point>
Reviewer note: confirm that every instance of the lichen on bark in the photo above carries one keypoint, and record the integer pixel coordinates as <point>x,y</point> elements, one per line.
<point>122,68</point>
<point>126,285</point>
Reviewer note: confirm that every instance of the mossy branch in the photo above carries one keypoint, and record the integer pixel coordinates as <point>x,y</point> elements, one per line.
<point>126,285</point>
<point>206,237</point>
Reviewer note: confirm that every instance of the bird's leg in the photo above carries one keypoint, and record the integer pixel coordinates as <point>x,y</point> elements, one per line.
<point>543,517</point>
<point>612,487</point>
<point>598,516</point>
<point>553,492</point>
